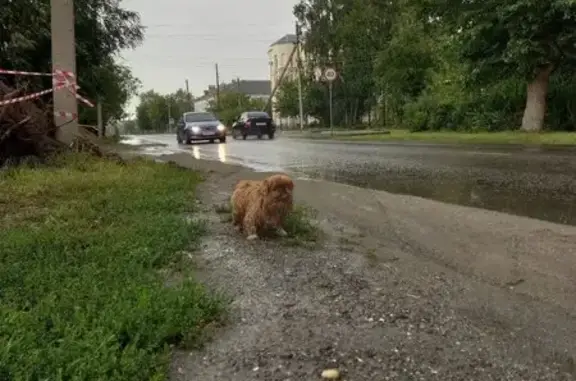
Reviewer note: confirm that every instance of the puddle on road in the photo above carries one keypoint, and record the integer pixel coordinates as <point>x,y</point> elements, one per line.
<point>549,203</point>
<point>131,140</point>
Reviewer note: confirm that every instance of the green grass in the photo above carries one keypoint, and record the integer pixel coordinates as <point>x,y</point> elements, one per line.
<point>85,250</point>
<point>300,226</point>
<point>506,137</point>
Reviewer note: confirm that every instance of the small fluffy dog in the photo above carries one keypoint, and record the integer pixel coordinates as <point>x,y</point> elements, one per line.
<point>261,206</point>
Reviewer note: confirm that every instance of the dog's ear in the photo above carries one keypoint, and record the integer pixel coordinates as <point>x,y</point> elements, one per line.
<point>268,185</point>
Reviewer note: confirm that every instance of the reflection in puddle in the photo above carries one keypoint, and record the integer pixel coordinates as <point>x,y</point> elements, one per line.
<point>130,140</point>
<point>222,152</point>
<point>196,152</point>
<point>156,151</point>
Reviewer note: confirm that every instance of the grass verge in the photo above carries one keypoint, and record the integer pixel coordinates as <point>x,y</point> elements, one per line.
<point>506,137</point>
<point>84,245</point>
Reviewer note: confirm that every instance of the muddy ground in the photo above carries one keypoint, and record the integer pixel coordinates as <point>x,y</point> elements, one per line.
<point>400,288</point>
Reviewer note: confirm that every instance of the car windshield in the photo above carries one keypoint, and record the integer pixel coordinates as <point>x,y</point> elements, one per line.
<point>258,114</point>
<point>200,117</point>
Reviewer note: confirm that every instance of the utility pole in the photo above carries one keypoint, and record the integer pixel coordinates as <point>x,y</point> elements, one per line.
<point>299,60</point>
<point>101,131</point>
<point>279,82</point>
<point>217,87</point>
<point>238,90</point>
<point>190,105</point>
<point>64,58</point>
<point>169,115</point>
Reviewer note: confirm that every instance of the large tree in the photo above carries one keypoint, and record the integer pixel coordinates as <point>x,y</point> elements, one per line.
<point>103,29</point>
<point>345,35</point>
<point>503,39</point>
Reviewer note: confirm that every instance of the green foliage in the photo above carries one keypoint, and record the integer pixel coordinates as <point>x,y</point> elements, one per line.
<point>232,104</point>
<point>152,113</point>
<point>513,37</point>
<point>103,29</point>
<point>300,224</point>
<point>287,100</point>
<point>435,65</point>
<point>86,249</point>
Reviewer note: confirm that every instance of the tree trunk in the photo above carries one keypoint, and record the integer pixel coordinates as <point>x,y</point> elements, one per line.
<point>536,93</point>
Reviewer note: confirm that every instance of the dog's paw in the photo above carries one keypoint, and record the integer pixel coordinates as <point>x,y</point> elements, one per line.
<point>252,237</point>
<point>281,232</point>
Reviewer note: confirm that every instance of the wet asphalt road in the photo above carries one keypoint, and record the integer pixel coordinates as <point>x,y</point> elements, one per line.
<point>529,182</point>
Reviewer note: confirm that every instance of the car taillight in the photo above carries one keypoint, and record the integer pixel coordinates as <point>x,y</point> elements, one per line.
<point>247,123</point>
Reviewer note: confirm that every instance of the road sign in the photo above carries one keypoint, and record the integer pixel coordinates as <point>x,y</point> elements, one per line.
<point>330,74</point>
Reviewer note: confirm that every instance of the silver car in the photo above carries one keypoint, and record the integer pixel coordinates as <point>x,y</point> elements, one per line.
<point>196,126</point>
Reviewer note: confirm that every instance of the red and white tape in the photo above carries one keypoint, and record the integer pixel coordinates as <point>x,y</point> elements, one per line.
<point>29,97</point>
<point>16,72</point>
<point>61,79</point>
<point>65,114</point>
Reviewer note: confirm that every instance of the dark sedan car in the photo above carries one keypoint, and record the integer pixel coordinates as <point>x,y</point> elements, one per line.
<point>254,123</point>
<point>196,126</point>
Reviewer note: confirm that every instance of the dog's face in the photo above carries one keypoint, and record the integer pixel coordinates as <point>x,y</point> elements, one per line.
<point>279,187</point>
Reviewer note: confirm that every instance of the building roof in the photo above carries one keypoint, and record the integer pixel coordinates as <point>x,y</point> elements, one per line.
<point>248,87</point>
<point>287,39</point>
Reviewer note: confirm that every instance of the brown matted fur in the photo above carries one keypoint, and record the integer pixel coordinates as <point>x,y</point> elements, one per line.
<point>261,206</point>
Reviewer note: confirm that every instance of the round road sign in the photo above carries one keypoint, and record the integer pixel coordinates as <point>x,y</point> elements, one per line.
<point>330,74</point>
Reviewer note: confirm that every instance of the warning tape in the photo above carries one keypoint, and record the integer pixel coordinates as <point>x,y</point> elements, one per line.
<point>61,79</point>
<point>65,114</point>
<point>30,96</point>
<point>16,72</point>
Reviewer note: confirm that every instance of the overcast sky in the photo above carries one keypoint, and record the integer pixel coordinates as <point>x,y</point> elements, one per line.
<point>185,38</point>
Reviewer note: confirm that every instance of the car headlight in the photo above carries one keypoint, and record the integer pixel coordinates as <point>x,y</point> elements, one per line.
<point>221,127</point>
<point>195,129</point>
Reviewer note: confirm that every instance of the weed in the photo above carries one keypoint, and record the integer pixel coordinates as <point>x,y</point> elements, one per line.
<point>82,296</point>
<point>300,226</point>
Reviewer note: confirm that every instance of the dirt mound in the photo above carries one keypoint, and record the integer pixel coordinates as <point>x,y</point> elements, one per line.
<point>27,132</point>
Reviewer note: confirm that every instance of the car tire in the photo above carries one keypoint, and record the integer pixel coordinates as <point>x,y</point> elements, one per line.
<point>223,140</point>
<point>259,136</point>
<point>212,141</point>
<point>271,136</point>
<point>244,136</point>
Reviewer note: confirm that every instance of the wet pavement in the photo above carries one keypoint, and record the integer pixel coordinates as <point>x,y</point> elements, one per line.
<point>533,182</point>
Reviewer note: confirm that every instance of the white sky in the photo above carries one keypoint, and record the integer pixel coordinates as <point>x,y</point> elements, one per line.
<point>185,38</point>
